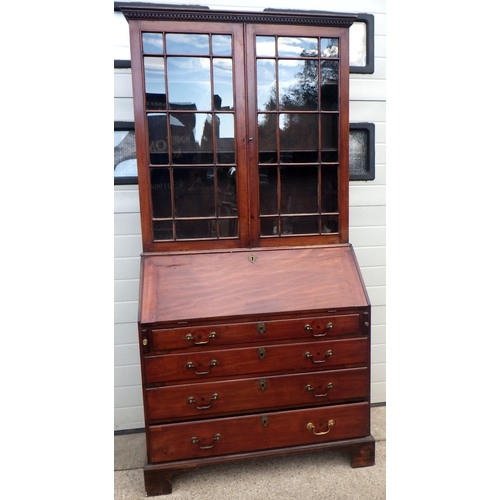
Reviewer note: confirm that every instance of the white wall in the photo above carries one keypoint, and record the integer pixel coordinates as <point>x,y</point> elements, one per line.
<point>367,209</point>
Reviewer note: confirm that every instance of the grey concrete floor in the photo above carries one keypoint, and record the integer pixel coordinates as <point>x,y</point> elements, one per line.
<point>307,476</point>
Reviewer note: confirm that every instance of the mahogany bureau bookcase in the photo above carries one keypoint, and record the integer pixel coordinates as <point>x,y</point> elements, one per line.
<point>254,322</point>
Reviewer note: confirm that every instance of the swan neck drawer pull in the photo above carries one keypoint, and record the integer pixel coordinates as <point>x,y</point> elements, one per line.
<point>195,440</point>
<point>190,338</point>
<point>310,329</point>
<point>192,400</point>
<point>310,427</point>
<point>316,361</point>
<point>190,366</point>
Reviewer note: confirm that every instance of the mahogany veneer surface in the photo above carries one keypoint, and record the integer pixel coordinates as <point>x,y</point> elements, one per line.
<point>183,287</point>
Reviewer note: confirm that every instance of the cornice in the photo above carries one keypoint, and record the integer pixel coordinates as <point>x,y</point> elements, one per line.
<point>150,12</point>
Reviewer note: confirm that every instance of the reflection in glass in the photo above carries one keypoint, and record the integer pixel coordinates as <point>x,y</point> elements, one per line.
<point>298,85</point>
<point>266,85</point>
<point>299,190</point>
<point>162,230</point>
<point>125,156</point>
<point>152,43</point>
<point>296,145</point>
<point>329,137</point>
<point>227,206</point>
<point>224,135</point>
<point>293,47</point>
<point>357,44</point>
<point>195,229</point>
<point>194,192</point>
<point>265,46</point>
<point>268,145</point>
<point>189,81</point>
<point>329,189</point>
<point>329,224</point>
<point>329,85</point>
<point>221,45</point>
<point>268,182</point>
<point>192,141</point>
<point>329,47</point>
<point>186,43</point>
<point>300,225</point>
<point>160,193</point>
<point>158,139</point>
<point>223,83</point>
<point>358,152</point>
<point>269,226</point>
<point>154,82</point>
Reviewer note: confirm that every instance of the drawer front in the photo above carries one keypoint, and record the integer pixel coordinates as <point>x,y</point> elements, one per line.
<point>237,333</point>
<point>201,365</point>
<point>190,401</point>
<point>257,432</point>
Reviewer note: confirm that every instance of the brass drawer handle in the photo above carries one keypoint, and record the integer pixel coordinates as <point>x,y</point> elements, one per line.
<point>309,328</point>
<point>310,427</point>
<point>192,400</point>
<point>190,366</point>
<point>310,388</point>
<point>327,355</point>
<point>190,338</point>
<point>195,440</point>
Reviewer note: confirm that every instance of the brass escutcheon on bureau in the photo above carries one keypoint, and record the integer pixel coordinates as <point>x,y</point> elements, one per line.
<point>264,420</point>
<point>262,384</point>
<point>261,353</point>
<point>261,327</point>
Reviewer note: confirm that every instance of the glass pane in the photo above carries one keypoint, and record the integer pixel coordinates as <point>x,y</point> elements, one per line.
<point>192,140</point>
<point>189,82</point>
<point>330,224</point>
<point>223,84</point>
<point>330,47</point>
<point>221,45</point>
<point>268,181</point>
<point>185,43</point>
<point>195,229</point>
<point>265,46</point>
<point>300,225</point>
<point>329,85</point>
<point>162,230</point>
<point>329,190</point>
<point>293,47</point>
<point>154,80</point>
<point>357,44</point>
<point>329,137</point>
<point>268,146</point>
<point>194,192</point>
<point>299,190</point>
<point>225,138</point>
<point>125,155</point>
<point>152,43</point>
<point>269,226</point>
<point>158,139</point>
<point>298,85</point>
<point>227,205</point>
<point>161,198</point>
<point>297,146</point>
<point>266,85</point>
<point>358,152</point>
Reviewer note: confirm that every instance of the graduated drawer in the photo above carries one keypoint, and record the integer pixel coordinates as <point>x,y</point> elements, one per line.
<point>201,365</point>
<point>168,339</point>
<point>223,436</point>
<point>189,401</point>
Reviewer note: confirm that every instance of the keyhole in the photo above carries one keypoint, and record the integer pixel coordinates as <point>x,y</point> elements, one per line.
<point>252,258</point>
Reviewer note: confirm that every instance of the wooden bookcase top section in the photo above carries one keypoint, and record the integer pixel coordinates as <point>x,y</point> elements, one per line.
<point>188,287</point>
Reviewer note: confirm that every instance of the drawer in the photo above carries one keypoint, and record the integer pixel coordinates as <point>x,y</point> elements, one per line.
<point>190,401</point>
<point>322,327</point>
<point>223,436</point>
<point>199,365</point>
